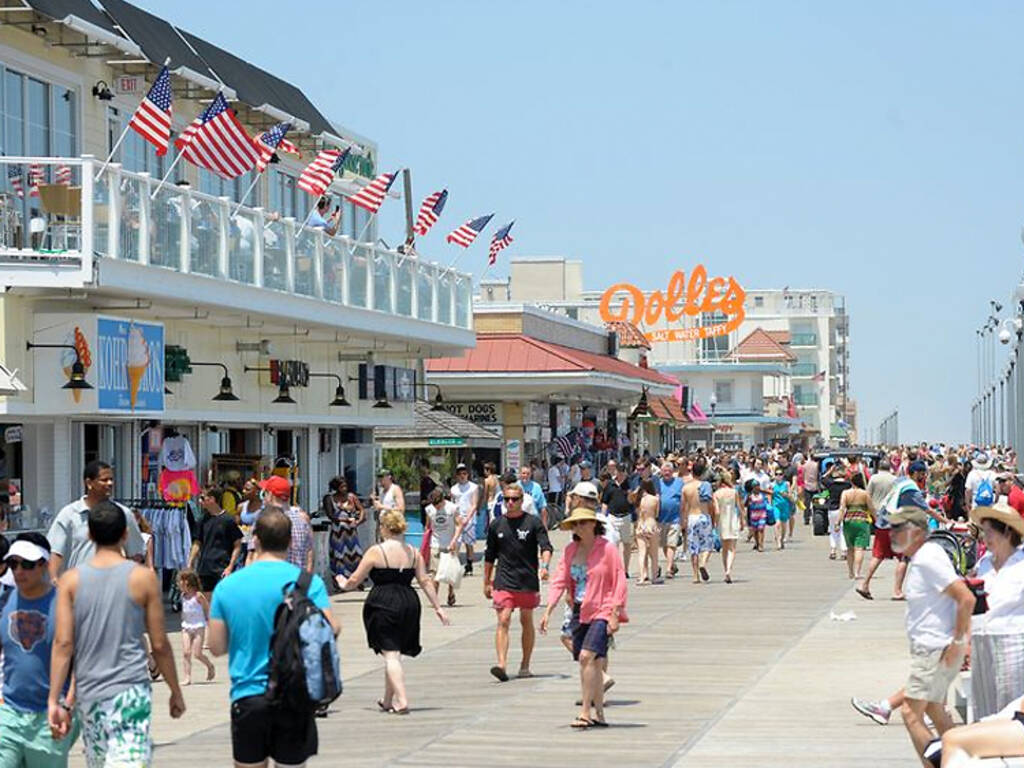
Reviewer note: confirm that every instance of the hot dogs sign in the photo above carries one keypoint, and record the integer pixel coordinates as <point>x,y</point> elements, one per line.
<point>682,298</point>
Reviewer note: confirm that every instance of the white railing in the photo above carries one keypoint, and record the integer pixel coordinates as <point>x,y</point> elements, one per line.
<point>129,216</point>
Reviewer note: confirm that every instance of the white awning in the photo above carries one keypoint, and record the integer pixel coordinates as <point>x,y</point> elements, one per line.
<point>10,384</point>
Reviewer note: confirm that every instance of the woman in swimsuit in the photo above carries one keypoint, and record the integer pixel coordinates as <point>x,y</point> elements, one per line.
<point>648,532</point>
<point>855,512</point>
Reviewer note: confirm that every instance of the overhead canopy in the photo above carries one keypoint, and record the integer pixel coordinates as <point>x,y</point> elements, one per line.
<point>668,410</point>
<point>10,384</point>
<point>160,41</point>
<point>86,19</point>
<point>436,429</point>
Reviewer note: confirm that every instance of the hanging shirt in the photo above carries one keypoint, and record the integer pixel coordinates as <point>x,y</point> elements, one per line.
<point>176,454</point>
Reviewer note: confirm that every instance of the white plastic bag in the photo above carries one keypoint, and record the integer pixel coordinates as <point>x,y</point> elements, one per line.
<point>449,570</point>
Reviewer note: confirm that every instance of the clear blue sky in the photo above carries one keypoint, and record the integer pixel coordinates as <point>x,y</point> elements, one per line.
<point>875,149</point>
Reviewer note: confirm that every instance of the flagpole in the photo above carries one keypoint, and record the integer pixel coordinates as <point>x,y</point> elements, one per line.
<point>245,197</point>
<point>359,237</point>
<point>117,144</point>
<point>309,215</point>
<point>164,179</point>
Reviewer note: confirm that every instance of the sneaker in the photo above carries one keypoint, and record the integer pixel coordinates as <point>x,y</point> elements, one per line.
<point>871,709</point>
<point>468,570</point>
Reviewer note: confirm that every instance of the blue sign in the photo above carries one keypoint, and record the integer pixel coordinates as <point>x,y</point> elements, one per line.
<point>130,365</point>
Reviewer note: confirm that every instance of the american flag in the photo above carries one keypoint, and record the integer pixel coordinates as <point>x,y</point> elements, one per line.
<point>269,142</point>
<point>217,141</point>
<point>819,377</point>
<point>318,175</point>
<point>501,240</point>
<point>14,179</point>
<point>152,118</point>
<point>371,197</point>
<point>430,209</point>
<point>466,234</point>
<point>63,174</point>
<point>36,176</point>
<point>564,446</point>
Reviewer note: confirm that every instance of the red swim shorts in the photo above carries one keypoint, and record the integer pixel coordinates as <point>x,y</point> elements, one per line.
<point>508,599</point>
<point>882,548</point>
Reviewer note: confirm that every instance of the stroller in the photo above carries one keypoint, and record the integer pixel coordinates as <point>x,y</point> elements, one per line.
<point>819,513</point>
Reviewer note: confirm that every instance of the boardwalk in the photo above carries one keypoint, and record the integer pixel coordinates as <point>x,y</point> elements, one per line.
<point>752,673</point>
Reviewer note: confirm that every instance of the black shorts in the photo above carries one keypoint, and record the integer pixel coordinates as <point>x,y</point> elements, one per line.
<point>207,581</point>
<point>259,731</point>
<point>591,637</point>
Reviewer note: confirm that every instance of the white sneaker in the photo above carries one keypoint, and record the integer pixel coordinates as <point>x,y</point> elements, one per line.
<point>871,709</point>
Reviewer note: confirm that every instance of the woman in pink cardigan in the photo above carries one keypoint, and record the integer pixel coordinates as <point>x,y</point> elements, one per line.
<point>591,571</point>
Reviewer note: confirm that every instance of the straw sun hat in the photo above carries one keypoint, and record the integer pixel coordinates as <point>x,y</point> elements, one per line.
<point>1003,513</point>
<point>580,513</point>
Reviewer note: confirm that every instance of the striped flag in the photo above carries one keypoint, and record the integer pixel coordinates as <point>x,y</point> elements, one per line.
<point>36,176</point>
<point>152,118</point>
<point>501,240</point>
<point>318,175</point>
<point>467,233</point>
<point>819,377</point>
<point>371,197</point>
<point>430,209</point>
<point>564,446</point>
<point>14,179</point>
<point>269,142</point>
<point>63,174</point>
<point>218,142</point>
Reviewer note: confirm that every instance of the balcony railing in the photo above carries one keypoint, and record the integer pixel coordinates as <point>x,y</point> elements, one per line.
<point>803,340</point>
<point>129,216</point>
<point>805,398</point>
<point>803,369</point>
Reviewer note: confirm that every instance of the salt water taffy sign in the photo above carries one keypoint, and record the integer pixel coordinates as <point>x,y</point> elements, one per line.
<point>682,298</point>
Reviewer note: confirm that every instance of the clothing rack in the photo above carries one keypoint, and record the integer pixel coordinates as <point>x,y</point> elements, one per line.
<point>153,503</point>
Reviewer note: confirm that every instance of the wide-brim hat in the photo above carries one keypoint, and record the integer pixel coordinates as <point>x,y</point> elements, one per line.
<point>1004,513</point>
<point>578,514</point>
<point>981,461</point>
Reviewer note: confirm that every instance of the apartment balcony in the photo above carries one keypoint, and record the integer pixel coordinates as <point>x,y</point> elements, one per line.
<point>124,233</point>
<point>805,398</point>
<point>804,370</point>
<point>803,340</point>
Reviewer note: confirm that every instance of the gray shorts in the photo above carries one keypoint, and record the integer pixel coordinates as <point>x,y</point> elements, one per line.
<point>929,678</point>
<point>671,535</point>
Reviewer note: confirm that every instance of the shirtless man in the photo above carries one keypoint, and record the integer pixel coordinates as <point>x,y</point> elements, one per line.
<point>696,512</point>
<point>490,488</point>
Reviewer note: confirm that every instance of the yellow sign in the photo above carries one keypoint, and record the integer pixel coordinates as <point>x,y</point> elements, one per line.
<point>681,298</point>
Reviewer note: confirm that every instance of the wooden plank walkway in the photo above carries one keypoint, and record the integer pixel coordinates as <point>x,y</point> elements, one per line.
<point>752,673</point>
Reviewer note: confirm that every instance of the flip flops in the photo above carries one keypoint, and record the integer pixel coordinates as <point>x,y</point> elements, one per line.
<point>864,593</point>
<point>499,673</point>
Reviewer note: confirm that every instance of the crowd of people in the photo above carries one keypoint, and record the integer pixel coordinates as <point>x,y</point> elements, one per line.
<point>83,633</point>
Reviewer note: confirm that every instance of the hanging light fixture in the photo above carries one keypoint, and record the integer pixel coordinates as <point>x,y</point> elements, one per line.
<point>382,403</point>
<point>76,379</point>
<point>283,396</point>
<point>339,391</point>
<point>438,403</point>
<point>226,393</point>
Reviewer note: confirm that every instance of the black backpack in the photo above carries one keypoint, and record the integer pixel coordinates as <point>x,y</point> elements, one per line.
<point>304,671</point>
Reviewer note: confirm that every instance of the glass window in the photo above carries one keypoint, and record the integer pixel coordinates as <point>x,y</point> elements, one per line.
<point>723,392</point>
<point>14,114</point>
<point>64,144</point>
<point>38,118</point>
<point>714,347</point>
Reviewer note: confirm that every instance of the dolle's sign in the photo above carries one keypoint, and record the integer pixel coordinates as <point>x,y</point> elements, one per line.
<point>682,298</point>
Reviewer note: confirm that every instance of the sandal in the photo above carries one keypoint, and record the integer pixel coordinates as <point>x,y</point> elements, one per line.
<point>831,555</point>
<point>402,711</point>
<point>382,707</point>
<point>864,593</point>
<point>499,673</point>
<point>581,723</point>
<point>599,723</point>
<point>451,600</point>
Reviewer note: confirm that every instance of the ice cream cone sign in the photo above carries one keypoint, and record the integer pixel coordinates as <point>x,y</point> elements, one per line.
<point>138,362</point>
<point>81,352</point>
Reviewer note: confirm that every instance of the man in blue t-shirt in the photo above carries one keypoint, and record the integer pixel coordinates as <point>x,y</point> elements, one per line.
<point>241,625</point>
<point>27,624</point>
<point>533,488</point>
<point>670,489</point>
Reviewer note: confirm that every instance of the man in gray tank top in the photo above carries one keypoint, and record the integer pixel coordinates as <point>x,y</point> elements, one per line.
<point>103,608</point>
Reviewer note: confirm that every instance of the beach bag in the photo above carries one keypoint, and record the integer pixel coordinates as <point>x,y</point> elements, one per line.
<point>305,673</point>
<point>449,570</point>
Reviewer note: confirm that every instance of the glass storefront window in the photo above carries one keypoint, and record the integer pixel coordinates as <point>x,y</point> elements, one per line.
<point>14,135</point>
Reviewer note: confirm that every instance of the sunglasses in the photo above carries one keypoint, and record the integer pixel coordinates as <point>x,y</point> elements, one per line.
<point>26,565</point>
<point>513,498</point>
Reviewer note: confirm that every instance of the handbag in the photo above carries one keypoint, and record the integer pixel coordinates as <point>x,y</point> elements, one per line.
<point>449,570</point>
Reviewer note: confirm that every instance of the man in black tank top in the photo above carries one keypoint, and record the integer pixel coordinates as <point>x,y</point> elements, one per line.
<point>514,540</point>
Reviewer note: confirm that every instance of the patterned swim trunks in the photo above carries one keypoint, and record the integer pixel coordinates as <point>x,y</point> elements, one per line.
<point>116,730</point>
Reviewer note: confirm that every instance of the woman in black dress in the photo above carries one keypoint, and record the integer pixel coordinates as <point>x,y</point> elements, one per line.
<point>391,613</point>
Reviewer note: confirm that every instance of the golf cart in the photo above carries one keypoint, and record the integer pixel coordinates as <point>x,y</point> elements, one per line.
<point>823,501</point>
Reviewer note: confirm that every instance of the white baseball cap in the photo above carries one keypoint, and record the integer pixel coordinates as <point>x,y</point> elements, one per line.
<point>26,550</point>
<point>586,490</point>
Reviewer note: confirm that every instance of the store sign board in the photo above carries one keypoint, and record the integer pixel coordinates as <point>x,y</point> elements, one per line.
<point>12,435</point>
<point>513,453</point>
<point>681,299</point>
<point>445,442</point>
<point>486,413</point>
<point>123,361</point>
<point>129,365</point>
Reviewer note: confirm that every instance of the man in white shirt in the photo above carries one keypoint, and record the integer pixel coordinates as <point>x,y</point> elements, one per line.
<point>981,470</point>
<point>556,481</point>
<point>466,496</point>
<point>938,622</point>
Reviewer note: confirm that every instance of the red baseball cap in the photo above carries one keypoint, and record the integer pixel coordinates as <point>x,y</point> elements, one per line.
<point>277,486</point>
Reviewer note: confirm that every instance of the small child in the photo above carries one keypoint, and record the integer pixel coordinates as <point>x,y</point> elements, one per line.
<point>195,612</point>
<point>757,512</point>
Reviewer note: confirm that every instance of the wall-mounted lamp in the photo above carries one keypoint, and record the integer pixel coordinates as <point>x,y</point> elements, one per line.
<point>102,91</point>
<point>339,391</point>
<point>226,394</point>
<point>381,395</point>
<point>438,404</point>
<point>76,379</point>
<point>284,395</point>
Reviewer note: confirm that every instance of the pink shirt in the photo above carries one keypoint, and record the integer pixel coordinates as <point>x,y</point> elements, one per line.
<point>606,581</point>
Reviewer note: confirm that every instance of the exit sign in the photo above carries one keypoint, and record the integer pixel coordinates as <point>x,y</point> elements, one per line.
<point>129,85</point>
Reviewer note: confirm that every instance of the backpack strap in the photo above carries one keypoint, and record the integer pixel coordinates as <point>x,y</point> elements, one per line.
<point>304,580</point>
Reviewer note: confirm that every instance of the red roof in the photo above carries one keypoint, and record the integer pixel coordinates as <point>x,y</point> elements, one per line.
<point>516,353</point>
<point>667,409</point>
<point>760,346</point>
<point>782,337</point>
<point>629,335</point>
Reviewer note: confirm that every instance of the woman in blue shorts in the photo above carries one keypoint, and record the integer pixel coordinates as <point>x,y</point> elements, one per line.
<point>782,504</point>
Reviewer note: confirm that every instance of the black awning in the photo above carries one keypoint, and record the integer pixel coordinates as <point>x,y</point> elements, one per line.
<point>257,87</point>
<point>82,9</point>
<point>157,38</point>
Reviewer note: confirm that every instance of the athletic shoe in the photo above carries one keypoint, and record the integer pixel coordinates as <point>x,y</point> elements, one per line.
<point>871,709</point>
